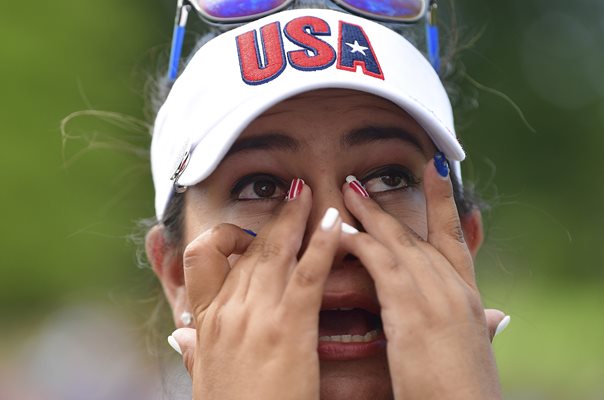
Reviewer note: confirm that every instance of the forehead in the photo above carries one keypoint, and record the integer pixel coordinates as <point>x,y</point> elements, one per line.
<point>329,100</point>
<point>334,112</point>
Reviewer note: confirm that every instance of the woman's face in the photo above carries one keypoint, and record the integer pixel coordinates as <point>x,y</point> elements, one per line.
<point>322,137</point>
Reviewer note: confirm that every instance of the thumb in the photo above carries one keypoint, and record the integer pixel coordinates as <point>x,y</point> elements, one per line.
<point>497,321</point>
<point>183,341</point>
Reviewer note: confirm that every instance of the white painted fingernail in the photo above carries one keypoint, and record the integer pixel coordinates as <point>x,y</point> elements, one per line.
<point>349,229</point>
<point>502,325</point>
<point>329,219</point>
<point>174,344</point>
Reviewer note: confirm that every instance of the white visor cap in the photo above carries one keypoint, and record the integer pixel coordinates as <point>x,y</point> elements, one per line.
<point>237,76</point>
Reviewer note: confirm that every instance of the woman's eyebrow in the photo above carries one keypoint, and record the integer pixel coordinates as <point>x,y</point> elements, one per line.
<point>370,134</point>
<point>269,141</point>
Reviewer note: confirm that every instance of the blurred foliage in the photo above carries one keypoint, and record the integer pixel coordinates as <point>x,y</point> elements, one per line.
<point>71,207</point>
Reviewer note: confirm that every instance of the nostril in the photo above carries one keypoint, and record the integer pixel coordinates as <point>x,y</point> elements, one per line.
<point>350,257</point>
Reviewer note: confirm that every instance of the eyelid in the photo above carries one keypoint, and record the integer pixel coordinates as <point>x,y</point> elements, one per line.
<point>376,173</point>
<point>242,182</point>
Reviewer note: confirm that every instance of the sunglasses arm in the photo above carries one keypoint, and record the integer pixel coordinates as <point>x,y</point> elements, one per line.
<point>432,39</point>
<point>178,36</point>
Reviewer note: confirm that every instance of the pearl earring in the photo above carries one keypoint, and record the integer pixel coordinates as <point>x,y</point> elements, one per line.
<point>186,318</point>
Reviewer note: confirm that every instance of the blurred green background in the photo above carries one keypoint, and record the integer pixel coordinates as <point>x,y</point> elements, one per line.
<point>71,206</point>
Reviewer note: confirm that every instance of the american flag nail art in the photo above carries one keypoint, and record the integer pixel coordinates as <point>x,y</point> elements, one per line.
<point>295,189</point>
<point>356,185</point>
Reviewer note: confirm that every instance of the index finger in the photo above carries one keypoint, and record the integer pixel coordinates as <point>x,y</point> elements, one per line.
<point>206,264</point>
<point>445,232</point>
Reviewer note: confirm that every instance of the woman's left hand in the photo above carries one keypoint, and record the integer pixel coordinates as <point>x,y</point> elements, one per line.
<point>434,322</point>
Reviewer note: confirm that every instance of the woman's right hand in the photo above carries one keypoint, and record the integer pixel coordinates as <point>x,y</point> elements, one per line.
<point>257,320</point>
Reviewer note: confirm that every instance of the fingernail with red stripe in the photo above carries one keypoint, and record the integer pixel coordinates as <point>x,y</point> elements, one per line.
<point>356,185</point>
<point>295,189</point>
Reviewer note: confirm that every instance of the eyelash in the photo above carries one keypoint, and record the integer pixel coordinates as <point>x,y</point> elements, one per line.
<point>252,179</point>
<point>411,181</point>
<point>407,177</point>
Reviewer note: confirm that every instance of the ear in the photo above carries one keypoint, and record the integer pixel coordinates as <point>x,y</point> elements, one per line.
<point>471,224</point>
<point>166,261</point>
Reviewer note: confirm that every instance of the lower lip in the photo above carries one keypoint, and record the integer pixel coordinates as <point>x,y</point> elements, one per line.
<point>338,351</point>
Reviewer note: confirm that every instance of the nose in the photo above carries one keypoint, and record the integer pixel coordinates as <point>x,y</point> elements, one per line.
<point>324,196</point>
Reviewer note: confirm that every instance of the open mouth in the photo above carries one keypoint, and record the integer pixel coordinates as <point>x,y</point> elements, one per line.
<point>349,325</point>
<point>350,328</point>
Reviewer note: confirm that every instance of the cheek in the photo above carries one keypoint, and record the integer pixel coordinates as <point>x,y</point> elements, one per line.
<point>409,209</point>
<point>195,226</point>
<point>252,218</point>
<point>200,219</point>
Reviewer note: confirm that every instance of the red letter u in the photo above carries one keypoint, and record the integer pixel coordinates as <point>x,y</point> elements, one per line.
<point>254,70</point>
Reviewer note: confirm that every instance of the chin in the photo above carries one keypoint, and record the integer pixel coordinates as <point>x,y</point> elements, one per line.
<point>361,379</point>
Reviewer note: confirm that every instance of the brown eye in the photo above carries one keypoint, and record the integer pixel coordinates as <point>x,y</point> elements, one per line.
<point>259,187</point>
<point>265,188</point>
<point>389,178</point>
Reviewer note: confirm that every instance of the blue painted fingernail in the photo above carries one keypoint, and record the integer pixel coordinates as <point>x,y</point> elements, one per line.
<point>250,232</point>
<point>441,164</point>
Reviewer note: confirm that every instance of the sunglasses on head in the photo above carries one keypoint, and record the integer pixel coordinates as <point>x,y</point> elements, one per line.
<point>225,13</point>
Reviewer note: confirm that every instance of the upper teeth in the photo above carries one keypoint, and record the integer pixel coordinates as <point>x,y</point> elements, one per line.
<point>368,337</point>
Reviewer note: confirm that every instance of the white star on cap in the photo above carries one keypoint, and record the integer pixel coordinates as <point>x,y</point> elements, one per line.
<point>357,48</point>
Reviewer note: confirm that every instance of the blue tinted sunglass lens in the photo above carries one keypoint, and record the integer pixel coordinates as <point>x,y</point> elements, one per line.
<point>237,9</point>
<point>401,10</point>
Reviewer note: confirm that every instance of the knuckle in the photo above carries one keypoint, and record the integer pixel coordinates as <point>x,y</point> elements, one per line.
<point>198,247</point>
<point>202,309</point>
<point>391,264</point>
<point>408,237</point>
<point>455,230</point>
<point>270,250</point>
<point>449,195</point>
<point>272,330</point>
<point>217,321</point>
<point>193,252</point>
<point>216,230</point>
<point>398,328</point>
<point>264,250</point>
<point>228,319</point>
<point>404,239</point>
<point>305,278</point>
<point>213,234</point>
